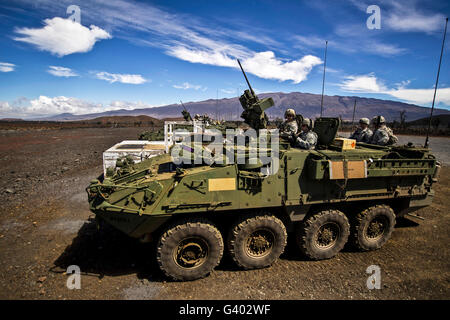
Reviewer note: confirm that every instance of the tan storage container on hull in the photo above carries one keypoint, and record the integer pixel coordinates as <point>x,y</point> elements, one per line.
<point>344,143</point>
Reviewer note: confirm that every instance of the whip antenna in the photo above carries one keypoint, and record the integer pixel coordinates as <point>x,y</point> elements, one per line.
<point>323,81</point>
<point>353,118</point>
<point>436,86</point>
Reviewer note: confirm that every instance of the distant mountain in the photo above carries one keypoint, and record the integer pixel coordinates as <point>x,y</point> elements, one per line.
<point>307,104</point>
<point>11,119</point>
<point>441,120</point>
<point>126,120</point>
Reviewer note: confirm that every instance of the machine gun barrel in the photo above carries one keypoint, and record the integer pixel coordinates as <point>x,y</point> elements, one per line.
<point>186,114</point>
<point>249,86</point>
<point>183,105</point>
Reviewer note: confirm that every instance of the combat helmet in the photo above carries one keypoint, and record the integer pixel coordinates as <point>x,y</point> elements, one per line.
<point>378,120</point>
<point>289,112</point>
<point>308,122</point>
<point>364,121</point>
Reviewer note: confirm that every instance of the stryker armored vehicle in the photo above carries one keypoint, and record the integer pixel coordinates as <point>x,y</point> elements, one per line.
<point>324,198</point>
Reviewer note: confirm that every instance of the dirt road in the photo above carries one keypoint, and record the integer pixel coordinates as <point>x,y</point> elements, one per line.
<point>45,227</point>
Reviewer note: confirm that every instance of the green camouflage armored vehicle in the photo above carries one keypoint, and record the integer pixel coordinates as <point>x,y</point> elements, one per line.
<point>324,198</point>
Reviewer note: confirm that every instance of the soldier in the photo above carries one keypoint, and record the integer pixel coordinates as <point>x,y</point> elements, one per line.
<point>307,138</point>
<point>289,127</point>
<point>362,133</point>
<point>382,135</point>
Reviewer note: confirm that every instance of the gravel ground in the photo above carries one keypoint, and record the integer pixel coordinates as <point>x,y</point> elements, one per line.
<point>45,227</point>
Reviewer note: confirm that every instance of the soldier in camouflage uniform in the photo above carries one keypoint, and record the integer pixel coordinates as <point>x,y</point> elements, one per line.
<point>383,136</point>
<point>307,139</point>
<point>289,128</point>
<point>362,133</point>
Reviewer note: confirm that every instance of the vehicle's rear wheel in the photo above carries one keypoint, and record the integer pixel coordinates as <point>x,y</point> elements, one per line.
<point>372,228</point>
<point>189,250</point>
<point>323,235</point>
<point>256,241</point>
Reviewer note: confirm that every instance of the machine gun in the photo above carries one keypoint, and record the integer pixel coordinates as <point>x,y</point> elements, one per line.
<point>254,108</point>
<point>185,113</point>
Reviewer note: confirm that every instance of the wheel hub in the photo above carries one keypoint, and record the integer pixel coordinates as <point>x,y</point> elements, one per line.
<point>327,235</point>
<point>260,243</point>
<point>376,228</point>
<point>191,253</point>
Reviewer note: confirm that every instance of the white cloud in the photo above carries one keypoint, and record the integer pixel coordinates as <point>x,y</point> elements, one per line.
<point>265,65</point>
<point>405,17</point>
<point>5,108</point>
<point>310,41</point>
<point>62,36</point>
<point>370,84</point>
<point>383,49</point>
<point>117,104</point>
<point>204,56</point>
<point>194,41</point>
<point>415,22</point>
<point>187,85</point>
<point>6,67</point>
<point>422,96</point>
<point>349,39</point>
<point>123,78</point>
<point>47,106</point>
<point>362,83</point>
<point>262,64</point>
<point>190,38</point>
<point>61,71</point>
<point>228,91</point>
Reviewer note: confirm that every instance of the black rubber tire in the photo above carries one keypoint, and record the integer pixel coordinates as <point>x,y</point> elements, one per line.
<point>197,230</point>
<point>360,235</point>
<point>314,226</point>
<point>266,230</point>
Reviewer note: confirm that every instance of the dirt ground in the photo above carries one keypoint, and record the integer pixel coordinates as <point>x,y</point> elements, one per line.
<point>45,227</point>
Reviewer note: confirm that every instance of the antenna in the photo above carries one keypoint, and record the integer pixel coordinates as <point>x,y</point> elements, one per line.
<point>436,86</point>
<point>249,86</point>
<point>323,81</point>
<point>353,118</point>
<point>238,109</point>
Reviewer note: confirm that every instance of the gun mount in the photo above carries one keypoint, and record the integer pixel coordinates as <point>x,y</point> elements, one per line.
<point>254,109</point>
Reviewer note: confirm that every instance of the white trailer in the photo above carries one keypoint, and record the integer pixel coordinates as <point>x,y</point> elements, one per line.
<point>140,150</point>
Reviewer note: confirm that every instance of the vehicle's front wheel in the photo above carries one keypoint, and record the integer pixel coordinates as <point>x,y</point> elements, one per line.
<point>323,235</point>
<point>256,241</point>
<point>189,250</point>
<point>372,228</point>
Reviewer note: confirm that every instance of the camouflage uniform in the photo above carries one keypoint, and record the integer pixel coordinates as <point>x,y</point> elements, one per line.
<point>362,135</point>
<point>383,136</point>
<point>306,140</point>
<point>288,130</point>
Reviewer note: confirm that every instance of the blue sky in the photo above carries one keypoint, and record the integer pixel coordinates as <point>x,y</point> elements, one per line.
<point>134,54</point>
